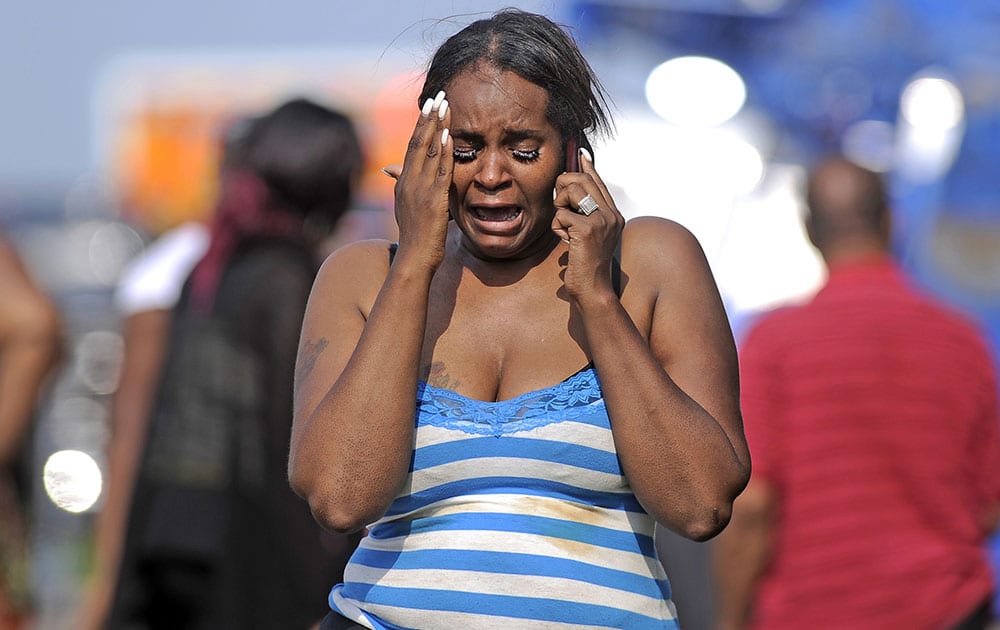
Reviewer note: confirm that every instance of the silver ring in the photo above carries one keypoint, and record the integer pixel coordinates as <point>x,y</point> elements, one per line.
<point>587,206</point>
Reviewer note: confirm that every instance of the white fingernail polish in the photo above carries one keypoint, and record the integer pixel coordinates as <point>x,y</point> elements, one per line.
<point>585,153</point>
<point>444,137</point>
<point>444,108</point>
<point>438,99</point>
<point>426,110</point>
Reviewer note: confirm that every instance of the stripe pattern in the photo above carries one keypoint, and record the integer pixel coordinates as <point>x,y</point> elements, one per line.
<point>515,514</point>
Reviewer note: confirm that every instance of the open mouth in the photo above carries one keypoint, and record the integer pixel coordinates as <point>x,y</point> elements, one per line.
<point>497,214</point>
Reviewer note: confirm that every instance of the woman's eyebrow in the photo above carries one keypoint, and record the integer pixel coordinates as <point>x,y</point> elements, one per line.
<point>465,134</point>
<point>516,135</point>
<point>508,135</point>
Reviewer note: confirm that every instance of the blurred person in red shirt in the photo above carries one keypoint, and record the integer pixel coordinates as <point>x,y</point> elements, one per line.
<point>871,414</point>
<point>30,340</point>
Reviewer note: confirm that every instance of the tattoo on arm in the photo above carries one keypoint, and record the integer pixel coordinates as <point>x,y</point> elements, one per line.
<point>307,358</point>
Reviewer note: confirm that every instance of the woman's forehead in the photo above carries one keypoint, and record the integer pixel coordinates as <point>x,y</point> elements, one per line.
<point>484,95</point>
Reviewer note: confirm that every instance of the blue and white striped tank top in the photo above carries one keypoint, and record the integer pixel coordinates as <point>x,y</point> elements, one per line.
<point>516,514</point>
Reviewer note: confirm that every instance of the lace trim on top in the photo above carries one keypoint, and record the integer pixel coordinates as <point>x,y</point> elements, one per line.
<point>578,395</point>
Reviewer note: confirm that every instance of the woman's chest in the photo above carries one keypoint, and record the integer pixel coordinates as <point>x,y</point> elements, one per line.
<point>495,344</point>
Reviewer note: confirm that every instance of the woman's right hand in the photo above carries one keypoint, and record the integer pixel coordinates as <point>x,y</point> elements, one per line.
<point>423,184</point>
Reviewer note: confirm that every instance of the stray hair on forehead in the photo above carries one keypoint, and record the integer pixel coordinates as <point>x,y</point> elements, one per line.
<point>536,49</point>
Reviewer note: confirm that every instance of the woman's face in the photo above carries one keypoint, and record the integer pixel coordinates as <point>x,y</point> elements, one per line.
<point>507,158</point>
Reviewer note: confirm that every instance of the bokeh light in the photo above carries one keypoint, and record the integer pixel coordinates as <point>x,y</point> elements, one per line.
<point>695,91</point>
<point>930,127</point>
<point>99,357</point>
<point>112,246</point>
<point>72,480</point>
<point>932,103</point>
<point>767,260</point>
<point>680,173</point>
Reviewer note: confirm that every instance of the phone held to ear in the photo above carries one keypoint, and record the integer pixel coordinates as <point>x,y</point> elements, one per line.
<point>572,155</point>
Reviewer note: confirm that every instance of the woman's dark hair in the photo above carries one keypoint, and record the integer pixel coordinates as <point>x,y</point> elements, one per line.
<point>309,156</point>
<point>538,50</point>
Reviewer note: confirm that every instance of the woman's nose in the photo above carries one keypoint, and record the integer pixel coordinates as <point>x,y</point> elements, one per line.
<point>492,169</point>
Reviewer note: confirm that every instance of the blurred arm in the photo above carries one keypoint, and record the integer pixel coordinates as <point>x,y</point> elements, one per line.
<point>30,340</point>
<point>741,553</point>
<point>145,336</point>
<point>986,444</point>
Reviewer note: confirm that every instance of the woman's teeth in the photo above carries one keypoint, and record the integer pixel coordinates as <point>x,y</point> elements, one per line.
<point>507,213</point>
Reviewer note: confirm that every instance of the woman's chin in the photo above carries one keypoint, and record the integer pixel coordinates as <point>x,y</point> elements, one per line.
<point>501,245</point>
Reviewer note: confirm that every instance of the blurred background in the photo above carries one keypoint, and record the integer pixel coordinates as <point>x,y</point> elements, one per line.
<point>112,110</point>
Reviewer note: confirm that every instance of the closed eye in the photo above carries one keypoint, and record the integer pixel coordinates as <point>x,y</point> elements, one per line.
<point>467,155</point>
<point>464,155</point>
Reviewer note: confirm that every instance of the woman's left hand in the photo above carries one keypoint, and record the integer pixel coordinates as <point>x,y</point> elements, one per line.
<point>592,238</point>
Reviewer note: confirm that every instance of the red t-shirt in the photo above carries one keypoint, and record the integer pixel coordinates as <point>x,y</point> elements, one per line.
<point>872,411</point>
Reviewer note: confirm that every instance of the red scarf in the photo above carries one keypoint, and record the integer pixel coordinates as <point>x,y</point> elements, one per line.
<point>244,210</point>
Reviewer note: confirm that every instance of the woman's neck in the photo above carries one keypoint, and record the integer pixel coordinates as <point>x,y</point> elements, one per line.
<point>507,270</point>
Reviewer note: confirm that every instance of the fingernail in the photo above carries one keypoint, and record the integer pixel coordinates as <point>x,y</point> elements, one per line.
<point>385,170</point>
<point>426,110</point>
<point>444,108</point>
<point>444,137</point>
<point>585,153</point>
<point>438,99</point>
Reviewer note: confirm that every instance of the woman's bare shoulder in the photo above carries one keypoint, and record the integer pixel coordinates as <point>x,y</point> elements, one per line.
<point>353,271</point>
<point>359,257</point>
<point>656,243</point>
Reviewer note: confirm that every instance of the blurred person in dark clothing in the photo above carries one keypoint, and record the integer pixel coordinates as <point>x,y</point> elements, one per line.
<point>871,414</point>
<point>30,339</point>
<point>215,537</point>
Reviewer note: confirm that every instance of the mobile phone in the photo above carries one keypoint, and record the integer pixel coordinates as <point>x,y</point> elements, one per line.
<point>572,155</point>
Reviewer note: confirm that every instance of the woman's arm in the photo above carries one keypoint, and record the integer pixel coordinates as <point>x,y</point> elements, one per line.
<point>357,369</point>
<point>355,386</point>
<point>674,398</point>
